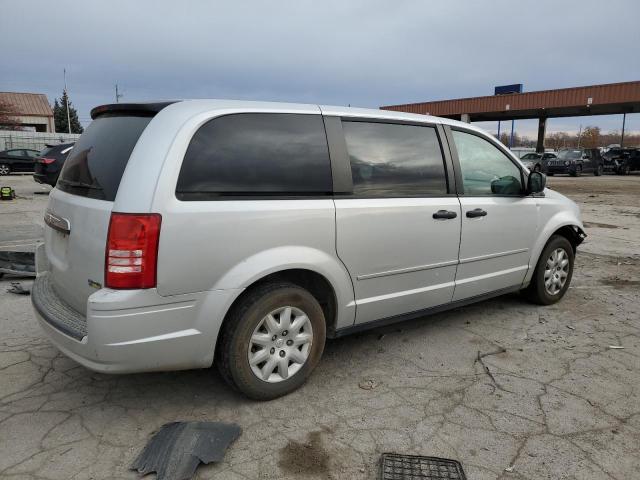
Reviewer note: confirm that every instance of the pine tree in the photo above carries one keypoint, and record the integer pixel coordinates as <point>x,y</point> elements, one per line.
<point>60,115</point>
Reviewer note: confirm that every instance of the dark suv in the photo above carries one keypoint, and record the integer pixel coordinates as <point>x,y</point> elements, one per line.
<point>576,161</point>
<point>614,159</point>
<point>630,162</point>
<point>49,163</point>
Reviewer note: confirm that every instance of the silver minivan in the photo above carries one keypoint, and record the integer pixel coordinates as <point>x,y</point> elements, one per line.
<point>184,234</point>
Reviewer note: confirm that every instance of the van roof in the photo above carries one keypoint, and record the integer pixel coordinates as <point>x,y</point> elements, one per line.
<point>198,105</point>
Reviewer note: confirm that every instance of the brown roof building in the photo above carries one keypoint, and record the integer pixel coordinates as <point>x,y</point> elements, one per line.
<point>31,110</point>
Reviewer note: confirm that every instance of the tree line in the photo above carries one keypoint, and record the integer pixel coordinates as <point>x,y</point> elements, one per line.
<point>589,137</point>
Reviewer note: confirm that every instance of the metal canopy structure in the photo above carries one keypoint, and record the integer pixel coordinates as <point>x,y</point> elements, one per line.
<point>605,99</point>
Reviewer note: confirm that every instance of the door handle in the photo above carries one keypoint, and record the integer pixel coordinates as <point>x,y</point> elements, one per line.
<point>445,214</point>
<point>478,212</point>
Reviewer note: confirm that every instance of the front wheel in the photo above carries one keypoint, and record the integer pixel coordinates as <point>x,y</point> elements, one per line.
<point>271,341</point>
<point>624,170</point>
<point>576,172</point>
<point>4,169</point>
<point>553,272</point>
<point>598,171</point>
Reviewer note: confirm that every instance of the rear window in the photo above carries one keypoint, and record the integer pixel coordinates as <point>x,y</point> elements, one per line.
<point>256,154</point>
<point>95,165</point>
<point>44,152</point>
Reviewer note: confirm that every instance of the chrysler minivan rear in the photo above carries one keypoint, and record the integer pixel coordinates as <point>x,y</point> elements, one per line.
<point>95,292</point>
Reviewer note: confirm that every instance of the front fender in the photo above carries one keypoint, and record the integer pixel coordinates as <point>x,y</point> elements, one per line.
<point>261,264</point>
<point>564,218</point>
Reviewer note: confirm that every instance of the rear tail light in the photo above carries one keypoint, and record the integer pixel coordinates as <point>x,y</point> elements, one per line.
<point>46,161</point>
<point>132,250</point>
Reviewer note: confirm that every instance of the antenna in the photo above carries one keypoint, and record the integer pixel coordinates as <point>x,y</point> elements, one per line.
<point>118,95</point>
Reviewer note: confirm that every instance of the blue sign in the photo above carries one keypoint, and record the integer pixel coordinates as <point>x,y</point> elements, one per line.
<point>506,89</point>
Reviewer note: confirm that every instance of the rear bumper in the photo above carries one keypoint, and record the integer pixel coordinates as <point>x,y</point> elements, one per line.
<point>47,178</point>
<point>126,331</point>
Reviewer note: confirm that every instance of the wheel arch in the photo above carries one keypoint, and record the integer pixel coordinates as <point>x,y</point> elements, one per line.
<point>571,229</point>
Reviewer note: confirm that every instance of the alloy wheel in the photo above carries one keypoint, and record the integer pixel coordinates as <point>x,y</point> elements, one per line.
<point>280,345</point>
<point>556,271</point>
<point>4,170</point>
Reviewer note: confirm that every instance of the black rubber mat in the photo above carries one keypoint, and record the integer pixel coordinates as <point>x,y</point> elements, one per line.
<point>177,449</point>
<point>412,467</point>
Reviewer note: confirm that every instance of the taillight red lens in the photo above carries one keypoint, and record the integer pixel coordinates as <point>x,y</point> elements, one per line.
<point>47,161</point>
<point>131,255</point>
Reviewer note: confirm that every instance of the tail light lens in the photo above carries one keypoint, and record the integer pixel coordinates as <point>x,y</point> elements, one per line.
<point>46,161</point>
<point>132,250</point>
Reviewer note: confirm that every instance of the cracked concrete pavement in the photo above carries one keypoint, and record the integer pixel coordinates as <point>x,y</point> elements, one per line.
<point>567,405</point>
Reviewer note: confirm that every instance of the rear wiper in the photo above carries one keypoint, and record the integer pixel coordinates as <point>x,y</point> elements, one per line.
<point>79,184</point>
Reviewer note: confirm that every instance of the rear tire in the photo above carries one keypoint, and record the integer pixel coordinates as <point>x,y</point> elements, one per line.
<point>267,347</point>
<point>4,169</point>
<point>552,276</point>
<point>550,174</point>
<point>598,171</point>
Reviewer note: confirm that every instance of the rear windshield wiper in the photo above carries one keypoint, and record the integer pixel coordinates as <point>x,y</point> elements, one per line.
<point>72,183</point>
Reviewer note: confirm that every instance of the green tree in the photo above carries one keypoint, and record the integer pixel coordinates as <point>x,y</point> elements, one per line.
<point>60,115</point>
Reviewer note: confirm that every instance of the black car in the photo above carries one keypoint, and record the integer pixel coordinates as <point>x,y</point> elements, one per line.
<point>17,160</point>
<point>630,162</point>
<point>614,159</point>
<point>49,163</point>
<point>576,161</point>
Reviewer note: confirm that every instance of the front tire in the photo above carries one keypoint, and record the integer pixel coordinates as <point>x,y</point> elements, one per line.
<point>271,341</point>
<point>576,172</point>
<point>553,273</point>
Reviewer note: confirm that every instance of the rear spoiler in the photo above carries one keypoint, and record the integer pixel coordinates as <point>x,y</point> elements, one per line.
<point>137,109</point>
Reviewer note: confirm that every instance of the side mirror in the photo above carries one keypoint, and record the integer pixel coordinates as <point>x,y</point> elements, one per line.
<point>507,185</point>
<point>536,182</point>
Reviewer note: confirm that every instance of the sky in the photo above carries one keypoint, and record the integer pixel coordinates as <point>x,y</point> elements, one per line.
<point>363,53</point>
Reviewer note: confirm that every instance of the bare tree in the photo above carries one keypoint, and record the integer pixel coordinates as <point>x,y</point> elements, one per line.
<point>7,117</point>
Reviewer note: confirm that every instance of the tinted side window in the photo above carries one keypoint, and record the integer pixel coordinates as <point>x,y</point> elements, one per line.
<point>485,169</point>
<point>394,160</point>
<point>256,154</point>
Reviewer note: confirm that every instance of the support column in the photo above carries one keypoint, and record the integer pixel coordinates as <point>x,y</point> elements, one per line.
<point>542,129</point>
<point>624,120</point>
<point>465,117</point>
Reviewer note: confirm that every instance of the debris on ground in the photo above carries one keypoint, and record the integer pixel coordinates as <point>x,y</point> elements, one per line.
<point>398,467</point>
<point>368,384</point>
<point>616,347</point>
<point>509,469</point>
<point>18,289</point>
<point>18,263</point>
<point>177,449</point>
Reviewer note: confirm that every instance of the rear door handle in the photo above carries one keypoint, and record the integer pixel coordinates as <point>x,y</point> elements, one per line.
<point>446,214</point>
<point>478,212</point>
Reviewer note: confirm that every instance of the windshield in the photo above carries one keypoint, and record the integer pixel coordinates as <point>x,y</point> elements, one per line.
<point>570,154</point>
<point>96,164</point>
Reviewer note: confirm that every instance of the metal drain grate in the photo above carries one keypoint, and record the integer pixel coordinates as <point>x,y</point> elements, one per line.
<point>412,467</point>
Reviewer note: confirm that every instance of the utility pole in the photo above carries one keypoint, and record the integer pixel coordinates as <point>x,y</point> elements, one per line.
<point>118,95</point>
<point>66,97</point>
<point>579,135</point>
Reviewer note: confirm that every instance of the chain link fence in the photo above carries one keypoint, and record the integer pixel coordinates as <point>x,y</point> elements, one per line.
<point>33,140</point>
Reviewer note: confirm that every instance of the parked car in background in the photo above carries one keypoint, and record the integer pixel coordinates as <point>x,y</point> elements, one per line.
<point>576,161</point>
<point>630,163</point>
<point>537,162</point>
<point>17,160</point>
<point>246,233</point>
<point>49,163</point>
<point>614,158</point>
